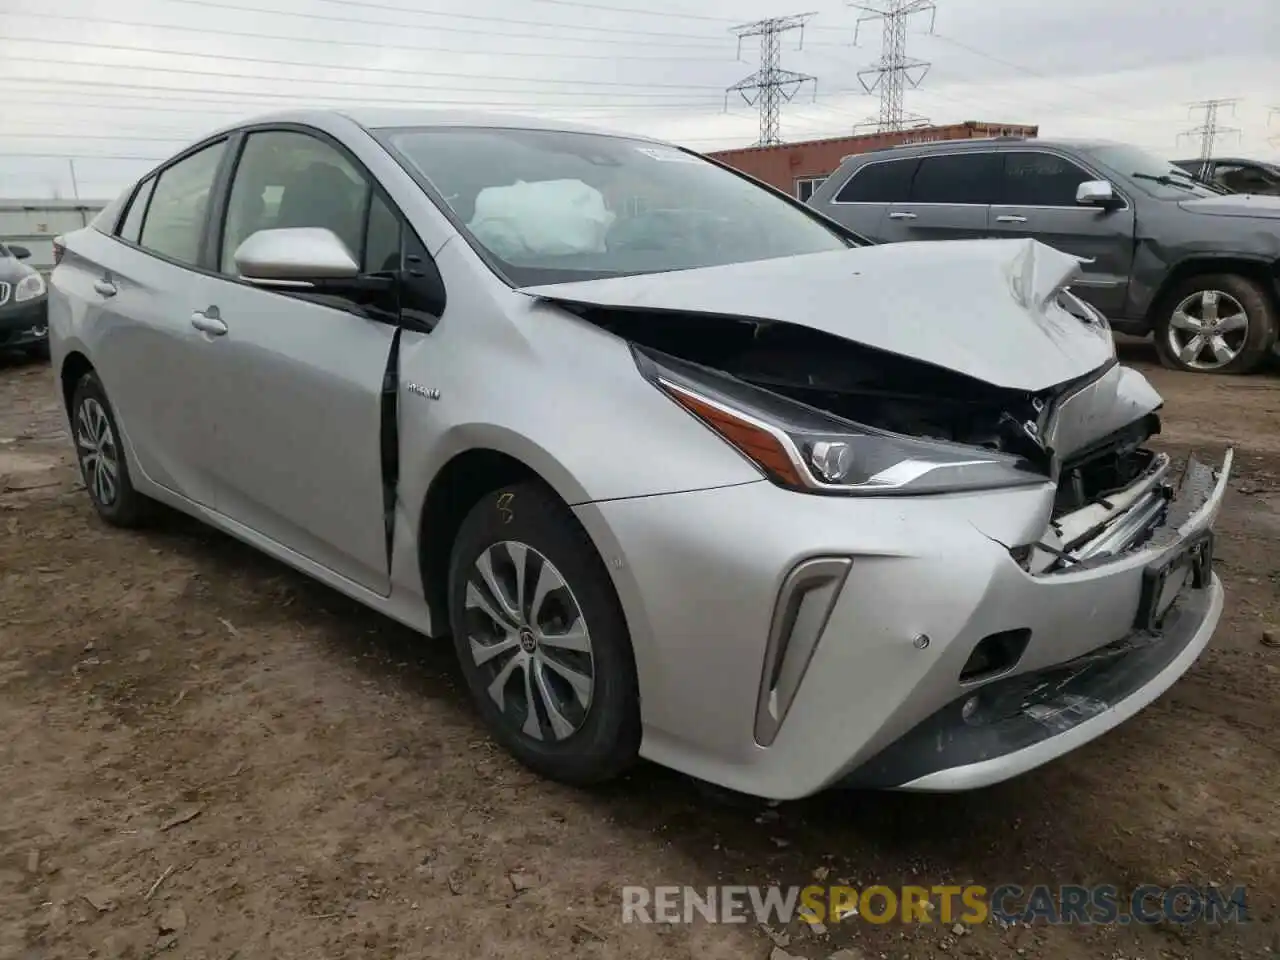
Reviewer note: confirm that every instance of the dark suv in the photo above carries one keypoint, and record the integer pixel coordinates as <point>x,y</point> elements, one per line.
<point>1162,254</point>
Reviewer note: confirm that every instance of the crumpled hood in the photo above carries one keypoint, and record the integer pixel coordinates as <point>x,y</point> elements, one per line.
<point>1235,205</point>
<point>984,308</point>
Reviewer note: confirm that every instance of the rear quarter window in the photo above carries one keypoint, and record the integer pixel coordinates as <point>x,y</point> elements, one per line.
<point>881,181</point>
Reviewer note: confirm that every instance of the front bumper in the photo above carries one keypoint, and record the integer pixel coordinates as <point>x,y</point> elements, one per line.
<point>879,701</point>
<point>24,324</point>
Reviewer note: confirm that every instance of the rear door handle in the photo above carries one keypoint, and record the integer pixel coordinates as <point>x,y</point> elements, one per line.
<point>1010,218</point>
<point>901,215</point>
<point>208,321</point>
<point>104,287</point>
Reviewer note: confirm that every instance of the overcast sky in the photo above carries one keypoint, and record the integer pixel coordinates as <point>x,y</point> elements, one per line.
<point>115,86</point>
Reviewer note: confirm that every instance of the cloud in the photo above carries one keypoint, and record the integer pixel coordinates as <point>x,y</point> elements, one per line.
<point>110,88</point>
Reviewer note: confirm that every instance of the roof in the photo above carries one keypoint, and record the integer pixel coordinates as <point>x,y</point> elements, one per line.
<point>377,118</point>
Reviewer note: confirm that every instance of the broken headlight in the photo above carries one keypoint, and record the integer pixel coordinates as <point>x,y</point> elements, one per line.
<point>804,448</point>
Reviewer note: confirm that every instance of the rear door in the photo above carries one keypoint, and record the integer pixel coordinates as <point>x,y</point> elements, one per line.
<point>141,289</point>
<point>951,194</point>
<point>1038,199</point>
<point>299,376</point>
<point>860,203</point>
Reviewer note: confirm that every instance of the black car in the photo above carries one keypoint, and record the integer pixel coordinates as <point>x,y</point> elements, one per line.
<point>24,303</point>
<point>1161,253</point>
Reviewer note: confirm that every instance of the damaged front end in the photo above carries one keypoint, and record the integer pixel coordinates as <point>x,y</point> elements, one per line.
<point>828,415</point>
<point>824,400</point>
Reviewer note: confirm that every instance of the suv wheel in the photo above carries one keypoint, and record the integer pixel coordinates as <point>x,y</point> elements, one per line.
<point>1221,323</point>
<point>541,637</point>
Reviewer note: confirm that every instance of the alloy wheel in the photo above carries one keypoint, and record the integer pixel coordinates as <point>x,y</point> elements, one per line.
<point>528,637</point>
<point>1207,330</point>
<point>99,455</point>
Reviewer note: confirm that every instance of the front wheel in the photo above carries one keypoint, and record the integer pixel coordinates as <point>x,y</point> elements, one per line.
<point>1222,323</point>
<point>541,637</point>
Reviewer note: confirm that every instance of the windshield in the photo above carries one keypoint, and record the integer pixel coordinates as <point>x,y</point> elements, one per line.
<point>1130,162</point>
<point>551,206</point>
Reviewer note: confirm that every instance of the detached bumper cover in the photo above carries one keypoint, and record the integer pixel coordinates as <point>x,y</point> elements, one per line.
<point>875,688</point>
<point>1012,725</point>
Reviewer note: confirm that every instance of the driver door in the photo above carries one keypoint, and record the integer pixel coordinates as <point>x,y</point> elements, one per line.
<point>297,377</point>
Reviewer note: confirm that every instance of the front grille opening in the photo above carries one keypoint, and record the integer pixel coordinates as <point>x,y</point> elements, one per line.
<point>995,654</point>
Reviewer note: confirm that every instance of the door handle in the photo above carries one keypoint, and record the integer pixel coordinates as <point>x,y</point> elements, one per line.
<point>901,215</point>
<point>1010,218</point>
<point>104,287</point>
<point>208,321</point>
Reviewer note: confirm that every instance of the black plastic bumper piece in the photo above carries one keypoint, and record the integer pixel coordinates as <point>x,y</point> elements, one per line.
<point>1012,714</point>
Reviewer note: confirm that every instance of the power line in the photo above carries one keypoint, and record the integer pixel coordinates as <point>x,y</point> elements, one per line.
<point>374,84</point>
<point>1210,129</point>
<point>311,64</point>
<point>770,85</point>
<point>895,70</point>
<point>707,41</point>
<point>365,44</point>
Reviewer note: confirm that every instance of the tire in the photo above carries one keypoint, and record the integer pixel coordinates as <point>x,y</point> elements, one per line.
<point>581,744</point>
<point>1250,346</point>
<point>118,503</point>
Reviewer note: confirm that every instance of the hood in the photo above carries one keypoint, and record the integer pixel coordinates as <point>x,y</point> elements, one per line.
<point>983,308</point>
<point>1235,205</point>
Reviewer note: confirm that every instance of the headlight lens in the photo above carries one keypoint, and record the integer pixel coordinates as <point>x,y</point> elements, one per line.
<point>803,448</point>
<point>29,287</point>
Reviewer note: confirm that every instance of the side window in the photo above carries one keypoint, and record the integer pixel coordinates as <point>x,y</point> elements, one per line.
<point>1041,180</point>
<point>958,178</point>
<point>290,179</point>
<point>885,181</point>
<point>806,187</point>
<point>381,238</point>
<point>131,229</point>
<point>175,217</point>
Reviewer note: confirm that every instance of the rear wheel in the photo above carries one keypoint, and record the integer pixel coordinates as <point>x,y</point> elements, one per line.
<point>541,637</point>
<point>1221,323</point>
<point>101,457</point>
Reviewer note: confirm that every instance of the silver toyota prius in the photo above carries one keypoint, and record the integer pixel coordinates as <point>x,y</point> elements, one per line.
<point>686,471</point>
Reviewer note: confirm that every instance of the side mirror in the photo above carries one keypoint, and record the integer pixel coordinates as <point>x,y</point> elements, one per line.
<point>21,253</point>
<point>1095,193</point>
<point>295,257</point>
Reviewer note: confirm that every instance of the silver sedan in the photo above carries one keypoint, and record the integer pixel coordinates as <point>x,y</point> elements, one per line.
<point>686,470</point>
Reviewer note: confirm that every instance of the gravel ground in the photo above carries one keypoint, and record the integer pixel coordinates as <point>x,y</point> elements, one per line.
<point>206,754</point>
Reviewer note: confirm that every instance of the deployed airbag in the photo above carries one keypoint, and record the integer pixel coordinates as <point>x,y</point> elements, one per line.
<point>544,218</point>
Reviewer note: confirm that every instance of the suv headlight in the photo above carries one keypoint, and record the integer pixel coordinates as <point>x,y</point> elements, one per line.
<point>29,287</point>
<point>803,448</point>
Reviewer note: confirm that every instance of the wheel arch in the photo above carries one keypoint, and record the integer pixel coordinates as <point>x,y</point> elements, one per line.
<point>1259,269</point>
<point>469,473</point>
<point>74,366</point>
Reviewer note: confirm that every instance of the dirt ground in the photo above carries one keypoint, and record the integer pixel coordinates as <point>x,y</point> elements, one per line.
<point>206,754</point>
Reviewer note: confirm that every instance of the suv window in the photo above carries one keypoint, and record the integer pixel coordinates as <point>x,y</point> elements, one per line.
<point>1041,180</point>
<point>291,179</point>
<point>131,229</point>
<point>175,218</point>
<point>958,178</point>
<point>882,181</point>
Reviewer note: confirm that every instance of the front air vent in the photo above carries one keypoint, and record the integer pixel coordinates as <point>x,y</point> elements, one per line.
<point>800,616</point>
<point>995,654</point>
